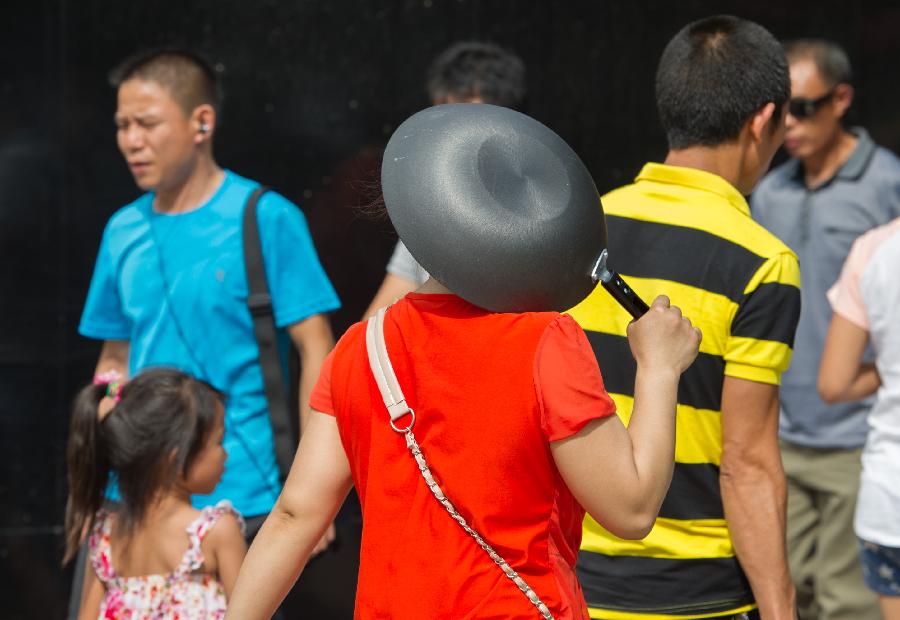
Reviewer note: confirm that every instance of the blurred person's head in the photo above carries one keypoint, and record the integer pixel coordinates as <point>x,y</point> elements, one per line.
<point>723,82</point>
<point>477,72</point>
<point>168,102</point>
<point>821,94</point>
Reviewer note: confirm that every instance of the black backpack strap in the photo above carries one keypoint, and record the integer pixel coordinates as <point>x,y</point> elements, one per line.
<point>259,301</point>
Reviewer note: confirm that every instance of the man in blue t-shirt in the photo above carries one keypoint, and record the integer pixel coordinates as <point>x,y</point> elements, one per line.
<point>169,286</point>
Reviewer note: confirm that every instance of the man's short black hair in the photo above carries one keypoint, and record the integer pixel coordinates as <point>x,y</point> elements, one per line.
<point>473,69</point>
<point>189,78</point>
<point>830,59</point>
<point>714,75</point>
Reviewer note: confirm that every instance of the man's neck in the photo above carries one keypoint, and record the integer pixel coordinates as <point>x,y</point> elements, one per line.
<point>823,165</point>
<point>723,160</point>
<point>196,189</point>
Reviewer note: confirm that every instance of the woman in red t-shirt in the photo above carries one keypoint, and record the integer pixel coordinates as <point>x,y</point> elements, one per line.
<point>510,412</point>
<point>518,429</point>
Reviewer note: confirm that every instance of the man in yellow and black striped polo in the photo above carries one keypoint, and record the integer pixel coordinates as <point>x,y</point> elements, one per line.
<point>683,229</point>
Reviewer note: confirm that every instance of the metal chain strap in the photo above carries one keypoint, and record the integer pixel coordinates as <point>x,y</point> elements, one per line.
<point>397,407</point>
<point>439,495</point>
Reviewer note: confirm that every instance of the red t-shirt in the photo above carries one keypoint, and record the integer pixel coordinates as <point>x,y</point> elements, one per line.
<point>490,392</point>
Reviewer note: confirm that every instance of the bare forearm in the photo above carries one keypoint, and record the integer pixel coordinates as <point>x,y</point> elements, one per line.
<point>637,462</point>
<point>865,383</point>
<point>652,431</point>
<point>314,490</point>
<point>754,497</point>
<point>843,376</point>
<point>273,563</point>
<point>314,340</point>
<point>310,366</point>
<point>114,356</point>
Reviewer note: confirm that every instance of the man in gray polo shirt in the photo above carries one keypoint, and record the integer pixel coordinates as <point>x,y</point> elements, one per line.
<point>837,185</point>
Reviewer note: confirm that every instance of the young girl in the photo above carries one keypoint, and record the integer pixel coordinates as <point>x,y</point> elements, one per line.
<point>866,304</point>
<point>154,556</point>
<point>508,407</point>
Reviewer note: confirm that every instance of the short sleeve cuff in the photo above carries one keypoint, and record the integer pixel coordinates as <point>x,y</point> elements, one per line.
<point>568,428</point>
<point>844,305</point>
<point>321,406</point>
<point>753,373</point>
<point>99,331</point>
<point>296,314</point>
<point>569,386</point>
<point>320,399</point>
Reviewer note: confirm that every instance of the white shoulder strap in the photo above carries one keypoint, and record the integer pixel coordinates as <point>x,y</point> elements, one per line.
<point>396,405</point>
<point>381,366</point>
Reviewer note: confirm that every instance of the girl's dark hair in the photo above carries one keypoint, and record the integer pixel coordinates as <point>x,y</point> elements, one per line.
<point>147,439</point>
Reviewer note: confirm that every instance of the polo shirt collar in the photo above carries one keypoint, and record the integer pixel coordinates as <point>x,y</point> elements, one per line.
<point>850,170</point>
<point>859,159</point>
<point>695,179</point>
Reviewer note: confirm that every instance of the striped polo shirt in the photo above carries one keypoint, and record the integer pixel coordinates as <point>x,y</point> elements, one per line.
<point>687,234</point>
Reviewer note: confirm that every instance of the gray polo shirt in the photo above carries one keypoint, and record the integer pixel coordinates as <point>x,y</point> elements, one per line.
<point>820,225</point>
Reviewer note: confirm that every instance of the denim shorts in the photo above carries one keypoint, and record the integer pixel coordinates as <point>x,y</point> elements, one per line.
<point>881,567</point>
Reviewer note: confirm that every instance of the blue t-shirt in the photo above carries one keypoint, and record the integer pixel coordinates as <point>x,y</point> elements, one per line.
<point>202,325</point>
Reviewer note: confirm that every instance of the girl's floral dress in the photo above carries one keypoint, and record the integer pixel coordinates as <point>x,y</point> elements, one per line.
<point>183,594</point>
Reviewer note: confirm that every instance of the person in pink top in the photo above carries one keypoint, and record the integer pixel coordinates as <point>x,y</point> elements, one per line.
<point>866,304</point>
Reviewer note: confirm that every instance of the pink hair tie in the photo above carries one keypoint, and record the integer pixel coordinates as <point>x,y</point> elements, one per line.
<point>108,376</point>
<point>112,379</point>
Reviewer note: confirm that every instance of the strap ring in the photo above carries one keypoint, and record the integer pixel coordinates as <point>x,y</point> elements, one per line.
<point>411,422</point>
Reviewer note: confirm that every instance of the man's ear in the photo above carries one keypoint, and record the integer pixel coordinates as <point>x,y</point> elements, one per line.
<point>843,98</point>
<point>203,119</point>
<point>759,122</point>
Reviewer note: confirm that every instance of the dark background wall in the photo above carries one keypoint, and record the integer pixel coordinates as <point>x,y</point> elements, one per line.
<point>313,90</point>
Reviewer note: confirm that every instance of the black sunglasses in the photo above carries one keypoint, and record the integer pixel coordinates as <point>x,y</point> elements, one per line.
<point>804,108</point>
